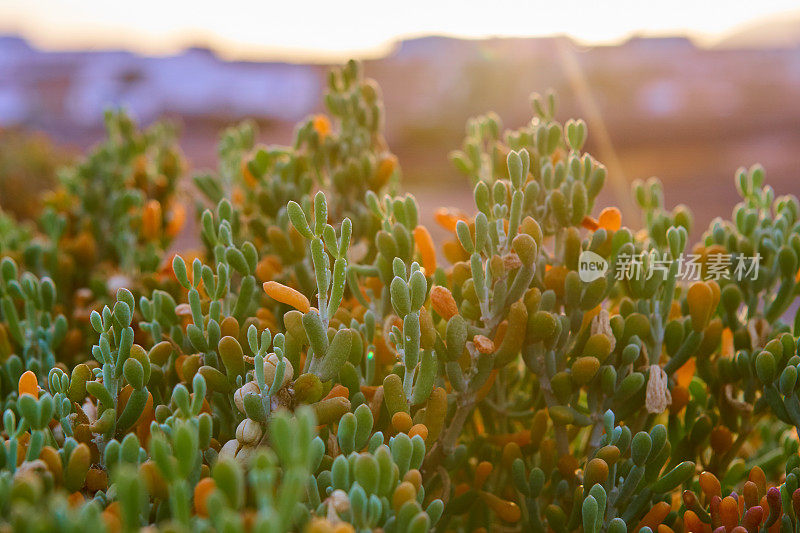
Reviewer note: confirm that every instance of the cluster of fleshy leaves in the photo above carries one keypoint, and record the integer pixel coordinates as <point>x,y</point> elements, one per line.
<point>109,219</point>
<point>322,365</point>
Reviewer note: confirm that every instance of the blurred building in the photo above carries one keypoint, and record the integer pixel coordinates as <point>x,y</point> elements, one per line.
<point>68,91</point>
<point>691,115</point>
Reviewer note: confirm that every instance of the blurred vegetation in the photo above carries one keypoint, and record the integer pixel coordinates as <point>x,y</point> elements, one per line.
<point>28,165</point>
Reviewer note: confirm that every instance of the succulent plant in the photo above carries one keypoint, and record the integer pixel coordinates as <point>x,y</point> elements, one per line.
<point>321,366</point>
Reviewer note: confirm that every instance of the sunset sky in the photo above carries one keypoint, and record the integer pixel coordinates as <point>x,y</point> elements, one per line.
<point>305,29</point>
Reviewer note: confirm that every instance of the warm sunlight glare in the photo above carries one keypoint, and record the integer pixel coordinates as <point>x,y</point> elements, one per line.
<point>307,29</point>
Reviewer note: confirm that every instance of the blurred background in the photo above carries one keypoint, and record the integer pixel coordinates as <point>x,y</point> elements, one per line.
<point>687,91</point>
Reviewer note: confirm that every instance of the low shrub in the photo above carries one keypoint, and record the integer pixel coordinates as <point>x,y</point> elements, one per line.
<point>321,364</point>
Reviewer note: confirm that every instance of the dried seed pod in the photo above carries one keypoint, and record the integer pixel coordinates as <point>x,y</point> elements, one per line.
<point>657,397</point>
<point>601,325</point>
<point>248,432</point>
<point>251,387</point>
<point>229,449</point>
<point>270,366</point>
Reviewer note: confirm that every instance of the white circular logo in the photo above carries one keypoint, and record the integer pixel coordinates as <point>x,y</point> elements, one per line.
<point>591,266</point>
